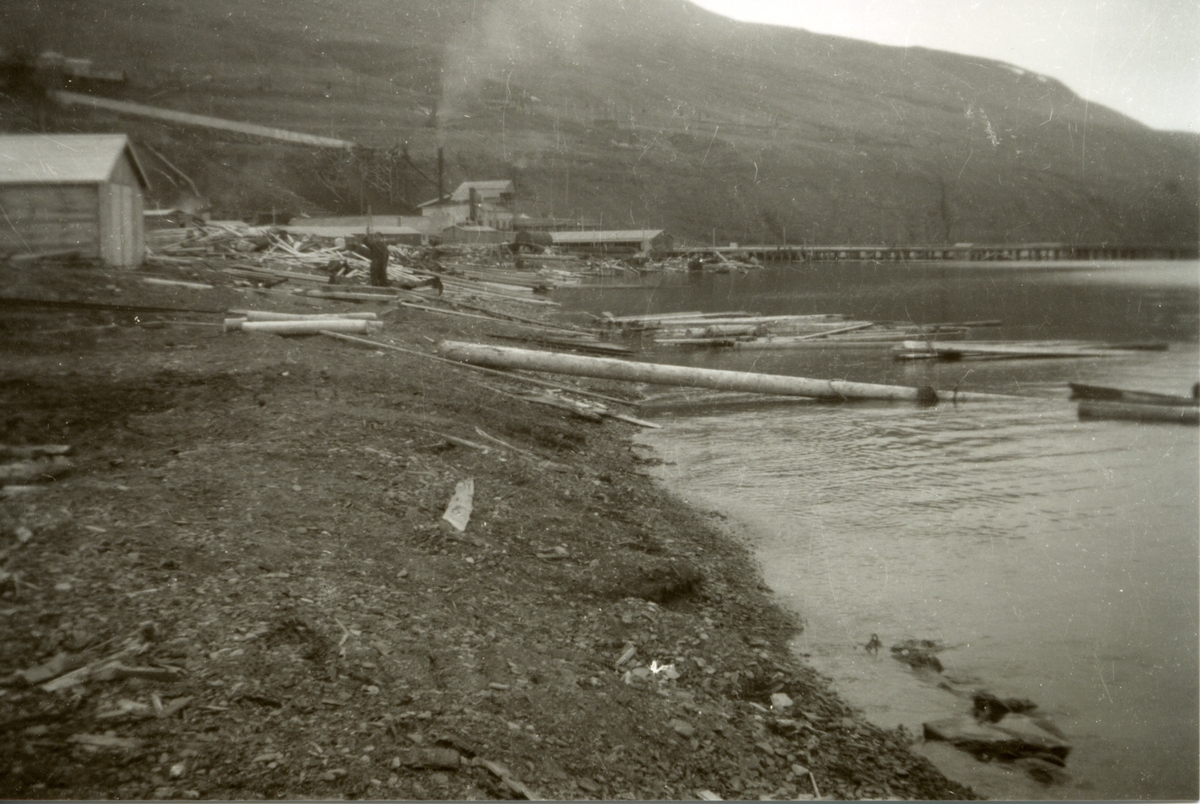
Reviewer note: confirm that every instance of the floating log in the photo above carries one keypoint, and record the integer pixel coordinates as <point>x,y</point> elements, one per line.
<point>614,369</point>
<point>1081,390</point>
<point>312,327</point>
<point>1179,414</point>
<point>931,350</point>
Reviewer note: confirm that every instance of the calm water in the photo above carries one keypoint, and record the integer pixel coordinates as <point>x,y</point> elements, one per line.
<point>1057,558</point>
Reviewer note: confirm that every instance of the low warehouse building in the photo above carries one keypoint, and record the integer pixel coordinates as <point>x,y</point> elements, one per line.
<point>79,193</point>
<point>624,241</point>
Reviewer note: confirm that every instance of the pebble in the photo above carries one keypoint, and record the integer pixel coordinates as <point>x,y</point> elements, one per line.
<point>682,727</point>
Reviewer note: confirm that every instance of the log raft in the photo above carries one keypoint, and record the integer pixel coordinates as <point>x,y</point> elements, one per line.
<point>504,357</point>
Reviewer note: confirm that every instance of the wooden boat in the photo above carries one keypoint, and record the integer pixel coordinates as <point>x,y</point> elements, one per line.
<point>1081,390</point>
<point>1102,409</point>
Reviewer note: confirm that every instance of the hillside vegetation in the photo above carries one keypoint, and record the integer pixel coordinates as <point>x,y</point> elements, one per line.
<point>634,112</point>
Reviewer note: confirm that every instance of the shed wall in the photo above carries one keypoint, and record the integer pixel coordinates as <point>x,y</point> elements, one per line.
<point>122,227</point>
<point>37,218</point>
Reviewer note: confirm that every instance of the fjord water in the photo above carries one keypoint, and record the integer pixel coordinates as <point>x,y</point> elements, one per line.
<point>1057,558</point>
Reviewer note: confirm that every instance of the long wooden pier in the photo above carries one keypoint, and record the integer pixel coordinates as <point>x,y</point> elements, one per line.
<point>960,252</point>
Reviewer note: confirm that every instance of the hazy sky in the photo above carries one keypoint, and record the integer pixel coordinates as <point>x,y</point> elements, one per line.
<point>1140,57</point>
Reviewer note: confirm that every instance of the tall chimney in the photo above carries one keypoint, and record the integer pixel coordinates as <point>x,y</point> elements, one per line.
<point>441,166</point>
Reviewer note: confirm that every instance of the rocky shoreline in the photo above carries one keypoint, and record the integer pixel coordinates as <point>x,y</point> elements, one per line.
<point>246,571</point>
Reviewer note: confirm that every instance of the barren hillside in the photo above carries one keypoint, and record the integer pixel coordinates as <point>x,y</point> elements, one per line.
<point>637,112</point>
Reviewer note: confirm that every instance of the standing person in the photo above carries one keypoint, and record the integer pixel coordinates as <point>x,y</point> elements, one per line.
<point>378,251</point>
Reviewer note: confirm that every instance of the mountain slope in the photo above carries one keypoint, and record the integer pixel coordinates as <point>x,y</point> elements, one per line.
<point>641,112</point>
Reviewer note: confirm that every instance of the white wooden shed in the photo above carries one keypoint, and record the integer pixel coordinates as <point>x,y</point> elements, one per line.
<point>72,192</point>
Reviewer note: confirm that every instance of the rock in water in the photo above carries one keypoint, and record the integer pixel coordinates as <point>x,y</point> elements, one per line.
<point>1014,737</point>
<point>918,653</point>
<point>992,708</point>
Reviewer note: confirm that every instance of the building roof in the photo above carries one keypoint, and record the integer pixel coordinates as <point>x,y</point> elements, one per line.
<point>64,158</point>
<point>351,231</point>
<point>347,220</point>
<point>608,236</point>
<point>465,227</point>
<point>488,190</point>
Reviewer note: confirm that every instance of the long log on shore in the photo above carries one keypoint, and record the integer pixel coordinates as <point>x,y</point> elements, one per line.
<point>494,372</point>
<point>505,357</point>
<point>266,315</point>
<point>309,327</point>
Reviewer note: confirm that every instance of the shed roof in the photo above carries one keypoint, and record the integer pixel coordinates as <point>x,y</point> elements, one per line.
<point>64,158</point>
<point>607,236</point>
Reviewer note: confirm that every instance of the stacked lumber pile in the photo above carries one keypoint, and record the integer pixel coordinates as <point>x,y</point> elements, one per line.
<point>267,256</point>
<point>749,331</point>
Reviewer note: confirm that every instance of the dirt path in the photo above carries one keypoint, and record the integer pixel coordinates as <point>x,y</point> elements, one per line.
<point>250,531</point>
